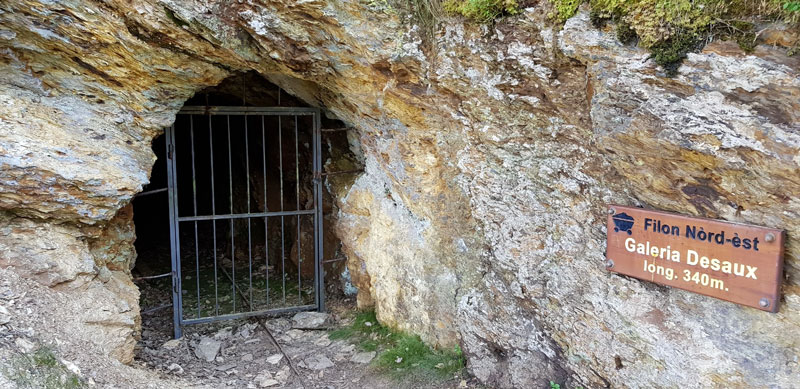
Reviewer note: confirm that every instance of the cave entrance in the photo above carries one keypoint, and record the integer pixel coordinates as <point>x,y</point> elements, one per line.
<point>231,224</point>
<point>230,248</point>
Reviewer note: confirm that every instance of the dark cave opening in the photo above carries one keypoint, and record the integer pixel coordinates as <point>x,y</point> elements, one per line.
<point>228,164</point>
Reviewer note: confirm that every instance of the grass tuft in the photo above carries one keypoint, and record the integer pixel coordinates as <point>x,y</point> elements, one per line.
<point>409,355</point>
<point>400,355</point>
<point>42,369</point>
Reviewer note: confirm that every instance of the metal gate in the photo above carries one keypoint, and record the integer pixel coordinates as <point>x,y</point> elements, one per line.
<point>223,161</point>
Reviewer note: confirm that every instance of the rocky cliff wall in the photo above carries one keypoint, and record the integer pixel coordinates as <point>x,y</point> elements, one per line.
<point>479,218</point>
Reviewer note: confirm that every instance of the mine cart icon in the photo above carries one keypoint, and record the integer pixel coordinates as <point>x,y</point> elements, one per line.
<point>623,222</point>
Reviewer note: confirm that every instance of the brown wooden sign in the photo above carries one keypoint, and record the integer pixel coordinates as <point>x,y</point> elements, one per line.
<point>730,261</point>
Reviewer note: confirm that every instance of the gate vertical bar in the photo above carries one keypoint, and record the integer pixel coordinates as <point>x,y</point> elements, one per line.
<point>319,273</point>
<point>266,206</point>
<point>177,303</point>
<point>283,232</point>
<point>297,208</point>
<point>213,212</point>
<point>249,236</point>
<point>233,244</point>
<point>194,207</point>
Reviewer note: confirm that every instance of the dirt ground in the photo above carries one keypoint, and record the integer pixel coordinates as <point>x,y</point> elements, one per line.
<point>248,358</point>
<point>41,347</point>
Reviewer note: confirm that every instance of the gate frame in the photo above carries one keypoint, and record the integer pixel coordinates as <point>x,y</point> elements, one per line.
<point>175,219</point>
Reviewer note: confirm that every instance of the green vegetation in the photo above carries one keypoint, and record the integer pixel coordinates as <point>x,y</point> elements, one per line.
<point>554,385</point>
<point>565,9</point>
<point>42,369</point>
<point>672,28</point>
<point>365,332</point>
<point>400,355</point>
<point>409,355</point>
<point>483,11</point>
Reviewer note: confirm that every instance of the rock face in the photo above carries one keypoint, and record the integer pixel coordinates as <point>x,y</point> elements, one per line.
<point>489,156</point>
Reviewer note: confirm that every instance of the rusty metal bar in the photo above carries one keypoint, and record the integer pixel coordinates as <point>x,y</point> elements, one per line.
<point>152,277</point>
<point>342,172</point>
<point>338,259</point>
<point>155,309</point>
<point>150,192</point>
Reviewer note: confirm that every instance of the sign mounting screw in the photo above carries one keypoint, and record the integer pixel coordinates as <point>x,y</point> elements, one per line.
<point>763,302</point>
<point>609,263</point>
<point>612,211</point>
<point>770,237</point>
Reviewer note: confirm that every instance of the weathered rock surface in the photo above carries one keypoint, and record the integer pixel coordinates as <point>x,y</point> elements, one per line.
<point>5,315</point>
<point>479,217</point>
<point>316,362</point>
<point>363,357</point>
<point>310,320</point>
<point>207,349</point>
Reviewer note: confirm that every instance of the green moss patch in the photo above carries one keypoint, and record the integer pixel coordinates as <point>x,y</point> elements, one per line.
<point>672,28</point>
<point>484,11</point>
<point>400,355</point>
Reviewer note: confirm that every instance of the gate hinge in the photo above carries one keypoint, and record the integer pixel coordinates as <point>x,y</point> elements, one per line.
<point>170,149</point>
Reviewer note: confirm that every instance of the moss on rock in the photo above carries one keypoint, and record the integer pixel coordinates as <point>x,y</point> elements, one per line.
<point>484,11</point>
<point>672,28</point>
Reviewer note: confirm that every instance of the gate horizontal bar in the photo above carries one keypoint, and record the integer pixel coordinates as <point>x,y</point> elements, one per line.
<point>265,312</point>
<point>246,215</point>
<point>224,110</point>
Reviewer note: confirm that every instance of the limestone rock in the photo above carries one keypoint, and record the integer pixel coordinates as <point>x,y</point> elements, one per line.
<point>478,219</point>
<point>317,362</point>
<point>207,349</point>
<point>363,357</point>
<point>175,368</point>
<point>24,345</point>
<point>309,320</point>
<point>283,374</point>
<point>274,359</point>
<point>171,344</point>
<point>265,380</point>
<point>5,316</point>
